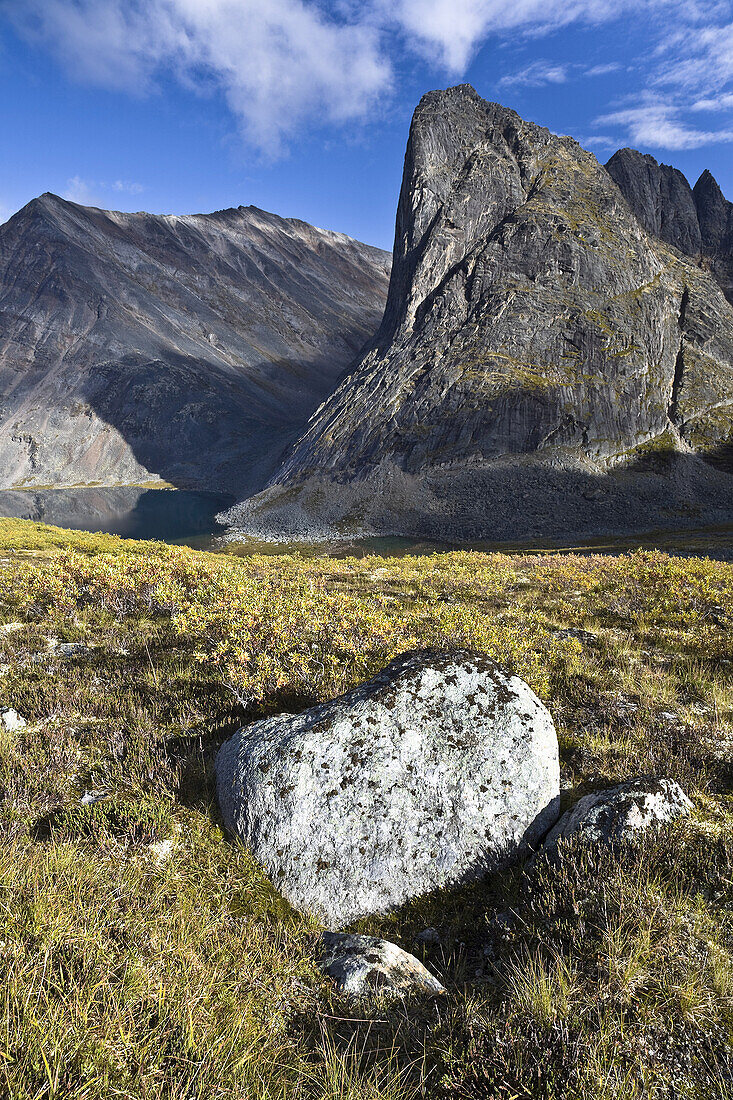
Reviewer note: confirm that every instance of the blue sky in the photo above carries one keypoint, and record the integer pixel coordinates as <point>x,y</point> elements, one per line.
<point>303,107</point>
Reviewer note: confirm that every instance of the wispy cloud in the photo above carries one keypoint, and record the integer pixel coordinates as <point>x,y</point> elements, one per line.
<point>537,74</point>
<point>657,123</point>
<point>92,192</point>
<point>450,31</point>
<point>79,190</point>
<point>722,102</point>
<point>603,70</point>
<point>285,65</point>
<point>542,72</point>
<point>698,57</point>
<point>600,141</point>
<point>127,187</point>
<point>278,63</point>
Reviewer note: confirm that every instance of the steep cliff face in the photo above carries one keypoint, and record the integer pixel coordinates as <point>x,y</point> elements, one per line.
<point>715,215</point>
<point>190,349</point>
<point>698,221</point>
<point>660,197</point>
<point>533,330</point>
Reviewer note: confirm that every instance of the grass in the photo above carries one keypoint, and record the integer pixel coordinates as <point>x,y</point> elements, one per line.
<point>142,954</point>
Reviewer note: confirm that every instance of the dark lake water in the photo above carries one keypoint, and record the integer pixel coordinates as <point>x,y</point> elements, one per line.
<point>171,515</point>
<point>188,517</point>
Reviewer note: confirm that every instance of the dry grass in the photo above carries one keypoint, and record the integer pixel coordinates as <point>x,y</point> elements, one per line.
<point>143,955</point>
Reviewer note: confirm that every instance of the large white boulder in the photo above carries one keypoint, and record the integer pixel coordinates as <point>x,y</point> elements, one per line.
<point>621,813</point>
<point>439,769</point>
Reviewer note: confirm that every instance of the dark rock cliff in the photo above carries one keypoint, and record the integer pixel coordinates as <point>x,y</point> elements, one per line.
<point>535,338</point>
<point>698,220</point>
<point>660,197</point>
<point>190,349</point>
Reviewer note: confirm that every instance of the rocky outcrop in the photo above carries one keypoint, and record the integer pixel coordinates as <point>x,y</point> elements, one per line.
<point>698,221</point>
<point>660,197</point>
<point>192,350</point>
<point>365,968</point>
<point>536,340</point>
<point>715,215</point>
<point>621,813</point>
<point>439,769</point>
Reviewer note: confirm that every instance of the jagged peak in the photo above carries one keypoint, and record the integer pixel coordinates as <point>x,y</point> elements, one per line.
<point>707,184</point>
<point>628,153</point>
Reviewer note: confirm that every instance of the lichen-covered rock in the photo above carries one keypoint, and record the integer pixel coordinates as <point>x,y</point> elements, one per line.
<point>440,768</point>
<point>621,813</point>
<point>367,968</point>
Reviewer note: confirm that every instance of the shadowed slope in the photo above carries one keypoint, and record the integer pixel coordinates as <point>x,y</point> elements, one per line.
<point>189,349</point>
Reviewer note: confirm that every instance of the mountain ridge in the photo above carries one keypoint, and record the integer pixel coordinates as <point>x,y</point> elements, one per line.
<point>535,338</point>
<point>182,348</point>
<point>697,220</point>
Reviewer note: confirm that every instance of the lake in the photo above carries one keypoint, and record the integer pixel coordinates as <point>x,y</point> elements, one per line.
<point>171,515</point>
<point>188,517</point>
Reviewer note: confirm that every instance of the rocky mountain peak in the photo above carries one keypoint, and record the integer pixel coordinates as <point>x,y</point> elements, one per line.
<point>533,325</point>
<point>660,197</point>
<point>191,349</point>
<point>697,220</point>
<point>715,214</point>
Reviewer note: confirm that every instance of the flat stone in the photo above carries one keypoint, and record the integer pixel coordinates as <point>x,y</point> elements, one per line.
<point>621,813</point>
<point>440,769</point>
<point>367,968</point>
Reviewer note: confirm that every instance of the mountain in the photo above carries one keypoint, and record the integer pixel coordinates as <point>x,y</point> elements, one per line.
<point>137,347</point>
<point>544,365</point>
<point>698,221</point>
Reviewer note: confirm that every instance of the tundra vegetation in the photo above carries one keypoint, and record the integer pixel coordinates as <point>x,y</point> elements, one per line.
<point>143,954</point>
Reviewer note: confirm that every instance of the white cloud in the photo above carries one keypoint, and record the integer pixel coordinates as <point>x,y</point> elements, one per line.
<point>277,62</point>
<point>657,123</point>
<point>450,31</point>
<point>127,187</point>
<point>602,141</point>
<point>91,192</point>
<point>537,74</point>
<point>698,57</point>
<point>549,72</point>
<point>79,190</point>
<point>284,64</point>
<point>722,102</point>
<point>603,70</point>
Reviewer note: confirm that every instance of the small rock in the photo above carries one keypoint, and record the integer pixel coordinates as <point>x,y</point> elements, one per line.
<point>161,850</point>
<point>12,721</point>
<point>367,968</point>
<point>621,813</point>
<point>10,628</point>
<point>70,649</point>
<point>585,636</point>
<point>428,935</point>
<point>90,797</point>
